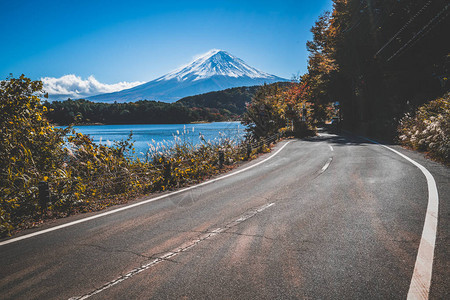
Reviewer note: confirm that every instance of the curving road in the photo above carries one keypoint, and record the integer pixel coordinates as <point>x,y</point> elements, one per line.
<point>332,217</point>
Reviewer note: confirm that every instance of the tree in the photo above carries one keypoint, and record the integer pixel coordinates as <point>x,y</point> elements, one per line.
<point>29,147</point>
<point>391,57</point>
<point>264,115</point>
<point>275,108</point>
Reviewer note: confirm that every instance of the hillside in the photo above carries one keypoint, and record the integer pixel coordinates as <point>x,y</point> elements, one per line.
<point>223,105</point>
<point>233,99</point>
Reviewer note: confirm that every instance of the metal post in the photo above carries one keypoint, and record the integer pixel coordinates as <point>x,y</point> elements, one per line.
<point>249,150</point>
<point>44,194</point>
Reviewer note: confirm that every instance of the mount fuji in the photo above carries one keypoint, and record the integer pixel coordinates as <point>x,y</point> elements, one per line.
<point>216,70</point>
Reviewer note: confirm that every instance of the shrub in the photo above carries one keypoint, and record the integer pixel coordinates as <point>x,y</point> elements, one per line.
<point>81,175</point>
<point>29,148</point>
<point>276,108</point>
<point>428,129</point>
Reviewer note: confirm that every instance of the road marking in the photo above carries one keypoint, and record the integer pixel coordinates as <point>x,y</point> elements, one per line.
<point>421,279</point>
<point>331,148</point>
<point>23,237</point>
<point>182,248</point>
<point>326,165</point>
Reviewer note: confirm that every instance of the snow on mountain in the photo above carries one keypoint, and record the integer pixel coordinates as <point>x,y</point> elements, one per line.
<point>216,70</point>
<point>215,62</point>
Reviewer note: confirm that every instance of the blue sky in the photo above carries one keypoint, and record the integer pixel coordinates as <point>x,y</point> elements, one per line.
<point>117,41</point>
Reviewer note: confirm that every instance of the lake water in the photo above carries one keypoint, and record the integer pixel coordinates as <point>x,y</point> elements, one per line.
<point>153,134</point>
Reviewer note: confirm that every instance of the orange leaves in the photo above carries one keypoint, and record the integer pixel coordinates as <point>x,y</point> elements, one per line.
<point>275,107</point>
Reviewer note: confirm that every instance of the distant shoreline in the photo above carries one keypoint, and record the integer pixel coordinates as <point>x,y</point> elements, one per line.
<point>102,124</point>
<point>80,124</point>
<point>202,122</point>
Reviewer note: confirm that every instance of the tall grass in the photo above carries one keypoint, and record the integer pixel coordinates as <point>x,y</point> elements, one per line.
<point>95,176</point>
<point>48,172</point>
<point>428,129</point>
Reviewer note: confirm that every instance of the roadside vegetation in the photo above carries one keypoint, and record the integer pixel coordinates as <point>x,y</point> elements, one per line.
<point>378,60</point>
<point>428,129</point>
<point>368,64</point>
<point>47,172</point>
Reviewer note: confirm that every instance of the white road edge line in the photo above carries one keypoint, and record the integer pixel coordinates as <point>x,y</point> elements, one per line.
<point>174,252</point>
<point>421,279</point>
<point>23,237</point>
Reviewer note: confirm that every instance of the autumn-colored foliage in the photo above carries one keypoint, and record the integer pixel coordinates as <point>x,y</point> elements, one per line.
<point>378,59</point>
<point>82,175</point>
<point>276,108</point>
<point>29,149</point>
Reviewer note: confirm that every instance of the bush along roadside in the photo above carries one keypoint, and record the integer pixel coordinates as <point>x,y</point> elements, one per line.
<point>92,177</point>
<point>428,129</point>
<point>47,173</point>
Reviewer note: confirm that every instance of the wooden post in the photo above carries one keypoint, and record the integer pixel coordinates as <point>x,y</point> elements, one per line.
<point>221,158</point>
<point>249,150</point>
<point>44,194</point>
<point>167,172</point>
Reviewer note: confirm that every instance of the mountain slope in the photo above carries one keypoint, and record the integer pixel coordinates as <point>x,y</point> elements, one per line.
<point>214,71</point>
<point>232,99</point>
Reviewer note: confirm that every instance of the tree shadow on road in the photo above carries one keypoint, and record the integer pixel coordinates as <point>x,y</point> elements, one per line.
<point>341,138</point>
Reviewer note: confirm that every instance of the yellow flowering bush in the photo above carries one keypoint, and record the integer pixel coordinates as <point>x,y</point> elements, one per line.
<point>29,149</point>
<point>81,175</point>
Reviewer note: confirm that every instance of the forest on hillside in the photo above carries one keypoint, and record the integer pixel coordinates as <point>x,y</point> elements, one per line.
<point>141,112</point>
<point>224,105</point>
<point>379,59</point>
<point>380,67</point>
<point>375,60</point>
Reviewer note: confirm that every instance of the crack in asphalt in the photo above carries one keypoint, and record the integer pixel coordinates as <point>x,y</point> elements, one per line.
<point>166,257</point>
<point>226,232</point>
<point>111,250</point>
<point>250,235</point>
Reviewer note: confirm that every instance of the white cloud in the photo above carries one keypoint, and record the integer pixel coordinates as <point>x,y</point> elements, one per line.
<point>72,86</point>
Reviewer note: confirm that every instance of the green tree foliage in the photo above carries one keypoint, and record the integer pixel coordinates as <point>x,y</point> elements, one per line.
<point>140,112</point>
<point>223,105</point>
<point>29,147</point>
<point>83,176</point>
<point>277,108</point>
<point>320,61</point>
<point>264,116</point>
<point>229,104</point>
<point>232,100</point>
<point>379,59</point>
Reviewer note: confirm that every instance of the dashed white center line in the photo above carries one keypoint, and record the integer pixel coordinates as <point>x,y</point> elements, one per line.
<point>182,248</point>
<point>326,165</point>
<point>331,147</point>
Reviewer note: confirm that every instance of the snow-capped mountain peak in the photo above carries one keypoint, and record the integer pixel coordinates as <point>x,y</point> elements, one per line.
<point>215,63</point>
<point>213,71</point>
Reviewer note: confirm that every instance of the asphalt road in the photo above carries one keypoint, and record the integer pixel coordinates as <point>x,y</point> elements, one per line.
<point>332,217</point>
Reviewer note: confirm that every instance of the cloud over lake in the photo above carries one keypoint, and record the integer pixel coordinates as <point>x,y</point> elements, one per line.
<point>74,87</point>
